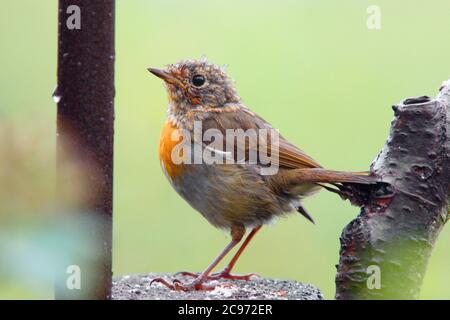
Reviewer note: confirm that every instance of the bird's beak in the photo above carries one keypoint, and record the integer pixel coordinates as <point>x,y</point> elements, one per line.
<point>165,75</point>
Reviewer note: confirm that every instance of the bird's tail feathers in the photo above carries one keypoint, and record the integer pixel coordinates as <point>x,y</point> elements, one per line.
<point>320,175</point>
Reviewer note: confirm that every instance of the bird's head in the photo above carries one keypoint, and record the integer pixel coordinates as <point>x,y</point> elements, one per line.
<point>196,83</point>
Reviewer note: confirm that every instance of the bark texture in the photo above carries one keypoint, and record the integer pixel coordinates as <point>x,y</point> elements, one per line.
<point>385,250</point>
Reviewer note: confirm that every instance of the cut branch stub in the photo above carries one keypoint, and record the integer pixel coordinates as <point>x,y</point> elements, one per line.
<point>385,250</point>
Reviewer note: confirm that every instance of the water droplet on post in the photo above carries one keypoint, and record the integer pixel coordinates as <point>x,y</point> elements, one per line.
<point>56,96</point>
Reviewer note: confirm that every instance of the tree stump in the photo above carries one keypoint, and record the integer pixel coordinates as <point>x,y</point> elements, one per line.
<point>385,250</point>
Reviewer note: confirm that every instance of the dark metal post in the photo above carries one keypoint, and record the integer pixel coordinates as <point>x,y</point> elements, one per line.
<point>85,96</point>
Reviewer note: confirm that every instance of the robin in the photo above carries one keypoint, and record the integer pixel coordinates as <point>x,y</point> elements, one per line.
<point>233,195</point>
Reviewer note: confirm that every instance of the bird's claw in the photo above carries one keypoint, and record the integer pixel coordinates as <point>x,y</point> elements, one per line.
<point>165,283</point>
<point>224,274</point>
<point>228,276</point>
<point>197,285</point>
<point>187,274</point>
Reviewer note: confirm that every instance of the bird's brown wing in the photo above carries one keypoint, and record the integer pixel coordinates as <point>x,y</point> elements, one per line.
<point>290,157</point>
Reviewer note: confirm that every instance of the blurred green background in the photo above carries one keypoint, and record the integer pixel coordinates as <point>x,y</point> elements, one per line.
<point>312,68</point>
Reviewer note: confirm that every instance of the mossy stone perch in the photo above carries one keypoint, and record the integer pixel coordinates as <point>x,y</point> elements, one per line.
<point>137,287</point>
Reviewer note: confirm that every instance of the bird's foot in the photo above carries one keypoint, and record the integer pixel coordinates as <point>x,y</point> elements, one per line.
<point>228,276</point>
<point>224,274</point>
<point>197,285</point>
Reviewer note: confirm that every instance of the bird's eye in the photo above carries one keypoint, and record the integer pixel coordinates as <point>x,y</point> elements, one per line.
<point>198,80</point>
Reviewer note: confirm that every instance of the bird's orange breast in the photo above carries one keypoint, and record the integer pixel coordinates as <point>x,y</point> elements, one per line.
<point>166,144</point>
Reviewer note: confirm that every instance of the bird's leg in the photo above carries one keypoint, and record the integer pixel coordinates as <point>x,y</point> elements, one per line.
<point>199,282</point>
<point>226,272</point>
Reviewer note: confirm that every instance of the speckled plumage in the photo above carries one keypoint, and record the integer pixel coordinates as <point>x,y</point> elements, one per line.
<point>234,195</point>
<point>228,194</point>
